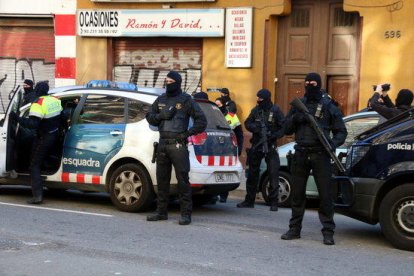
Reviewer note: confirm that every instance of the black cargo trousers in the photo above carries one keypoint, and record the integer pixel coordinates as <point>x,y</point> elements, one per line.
<point>171,153</point>
<point>43,144</point>
<point>305,160</point>
<point>273,163</point>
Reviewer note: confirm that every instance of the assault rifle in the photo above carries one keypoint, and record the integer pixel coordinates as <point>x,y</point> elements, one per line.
<point>263,135</point>
<point>298,104</point>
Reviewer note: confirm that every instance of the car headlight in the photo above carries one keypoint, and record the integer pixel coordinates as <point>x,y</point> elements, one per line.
<point>355,154</point>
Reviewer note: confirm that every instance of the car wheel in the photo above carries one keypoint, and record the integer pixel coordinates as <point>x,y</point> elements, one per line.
<point>285,183</point>
<point>396,216</point>
<point>130,188</point>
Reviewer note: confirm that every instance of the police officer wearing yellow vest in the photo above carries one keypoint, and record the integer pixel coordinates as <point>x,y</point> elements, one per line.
<point>45,116</point>
<point>235,125</point>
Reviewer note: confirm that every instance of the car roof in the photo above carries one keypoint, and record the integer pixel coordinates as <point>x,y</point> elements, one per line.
<point>137,95</point>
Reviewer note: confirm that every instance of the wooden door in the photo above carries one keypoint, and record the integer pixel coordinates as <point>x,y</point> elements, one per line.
<point>318,36</point>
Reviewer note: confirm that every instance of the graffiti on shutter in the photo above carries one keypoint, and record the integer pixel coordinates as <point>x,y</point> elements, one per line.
<point>25,53</point>
<point>147,64</point>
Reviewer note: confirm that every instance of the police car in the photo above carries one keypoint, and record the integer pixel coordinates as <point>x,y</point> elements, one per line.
<point>379,182</point>
<point>108,147</point>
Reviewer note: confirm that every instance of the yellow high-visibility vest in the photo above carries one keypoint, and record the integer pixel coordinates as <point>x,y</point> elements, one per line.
<point>233,120</point>
<point>46,107</point>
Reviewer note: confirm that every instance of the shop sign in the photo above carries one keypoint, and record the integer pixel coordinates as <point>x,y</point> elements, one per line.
<point>165,22</point>
<point>239,23</point>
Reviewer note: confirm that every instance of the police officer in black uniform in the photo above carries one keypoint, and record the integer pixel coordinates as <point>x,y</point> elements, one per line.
<point>311,155</point>
<point>265,119</point>
<point>171,113</point>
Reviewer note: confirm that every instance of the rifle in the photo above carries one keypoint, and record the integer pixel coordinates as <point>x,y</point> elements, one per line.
<point>298,104</point>
<point>263,134</point>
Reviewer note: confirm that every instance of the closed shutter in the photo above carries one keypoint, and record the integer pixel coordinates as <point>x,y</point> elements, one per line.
<point>27,51</point>
<point>146,61</point>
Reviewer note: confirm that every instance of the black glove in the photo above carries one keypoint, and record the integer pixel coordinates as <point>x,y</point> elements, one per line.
<point>166,113</point>
<point>14,117</point>
<point>182,137</point>
<point>299,118</point>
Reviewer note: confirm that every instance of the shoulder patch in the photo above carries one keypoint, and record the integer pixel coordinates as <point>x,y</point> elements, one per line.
<point>40,101</point>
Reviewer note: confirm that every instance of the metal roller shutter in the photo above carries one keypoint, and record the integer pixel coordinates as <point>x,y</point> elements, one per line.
<point>146,61</point>
<point>27,51</point>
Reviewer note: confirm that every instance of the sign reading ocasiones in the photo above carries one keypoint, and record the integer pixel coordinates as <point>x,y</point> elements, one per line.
<point>165,22</point>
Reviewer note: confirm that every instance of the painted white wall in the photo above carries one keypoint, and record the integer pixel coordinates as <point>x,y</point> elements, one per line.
<point>37,7</point>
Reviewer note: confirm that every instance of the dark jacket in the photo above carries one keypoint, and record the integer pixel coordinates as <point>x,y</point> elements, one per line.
<point>185,107</point>
<point>274,121</point>
<point>386,109</point>
<point>330,121</point>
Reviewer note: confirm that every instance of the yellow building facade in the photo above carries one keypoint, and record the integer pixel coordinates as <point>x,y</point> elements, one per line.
<point>375,50</point>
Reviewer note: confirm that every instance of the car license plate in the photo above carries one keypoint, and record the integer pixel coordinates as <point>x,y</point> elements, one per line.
<point>224,177</point>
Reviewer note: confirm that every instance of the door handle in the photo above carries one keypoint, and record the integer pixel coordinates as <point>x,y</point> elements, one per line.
<point>115,132</point>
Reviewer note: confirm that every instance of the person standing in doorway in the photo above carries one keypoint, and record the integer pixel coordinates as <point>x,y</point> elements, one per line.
<point>171,113</point>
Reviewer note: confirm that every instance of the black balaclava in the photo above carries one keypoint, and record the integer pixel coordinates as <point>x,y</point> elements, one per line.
<point>404,97</point>
<point>29,89</point>
<point>266,103</point>
<point>174,89</point>
<point>313,92</point>
<point>226,97</point>
<point>41,88</point>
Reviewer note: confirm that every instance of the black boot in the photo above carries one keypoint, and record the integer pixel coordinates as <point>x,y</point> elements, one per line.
<point>35,200</point>
<point>157,217</point>
<point>328,239</point>
<point>291,234</point>
<point>185,220</point>
<point>245,204</point>
<point>274,207</point>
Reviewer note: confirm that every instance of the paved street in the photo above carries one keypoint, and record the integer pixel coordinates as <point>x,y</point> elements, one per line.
<point>83,234</point>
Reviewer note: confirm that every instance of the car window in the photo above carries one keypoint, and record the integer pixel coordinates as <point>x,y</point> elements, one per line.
<point>102,109</point>
<point>357,126</point>
<point>137,110</point>
<point>215,119</point>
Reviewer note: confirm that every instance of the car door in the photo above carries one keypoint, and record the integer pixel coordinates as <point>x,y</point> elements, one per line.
<point>96,134</point>
<point>8,130</point>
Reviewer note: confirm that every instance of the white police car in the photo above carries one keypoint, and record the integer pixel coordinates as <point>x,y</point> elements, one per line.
<point>108,147</point>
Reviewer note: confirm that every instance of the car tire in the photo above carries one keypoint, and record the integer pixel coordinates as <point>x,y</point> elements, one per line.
<point>396,215</point>
<point>285,184</point>
<point>130,188</point>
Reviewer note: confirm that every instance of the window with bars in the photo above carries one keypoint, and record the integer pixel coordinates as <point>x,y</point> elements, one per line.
<point>300,18</point>
<point>342,18</point>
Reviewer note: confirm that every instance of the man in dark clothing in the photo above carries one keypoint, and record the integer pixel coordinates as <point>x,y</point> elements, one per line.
<point>45,117</point>
<point>310,155</point>
<point>171,112</point>
<point>265,119</point>
<point>384,106</point>
<point>228,102</point>
<point>201,95</point>
<point>29,93</point>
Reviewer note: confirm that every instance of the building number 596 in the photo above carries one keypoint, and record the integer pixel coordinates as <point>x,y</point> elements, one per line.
<point>392,34</point>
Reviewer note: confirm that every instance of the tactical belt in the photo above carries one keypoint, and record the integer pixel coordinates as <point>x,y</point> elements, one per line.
<point>309,149</point>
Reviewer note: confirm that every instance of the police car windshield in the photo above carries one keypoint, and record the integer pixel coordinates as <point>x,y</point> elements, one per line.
<point>215,119</point>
